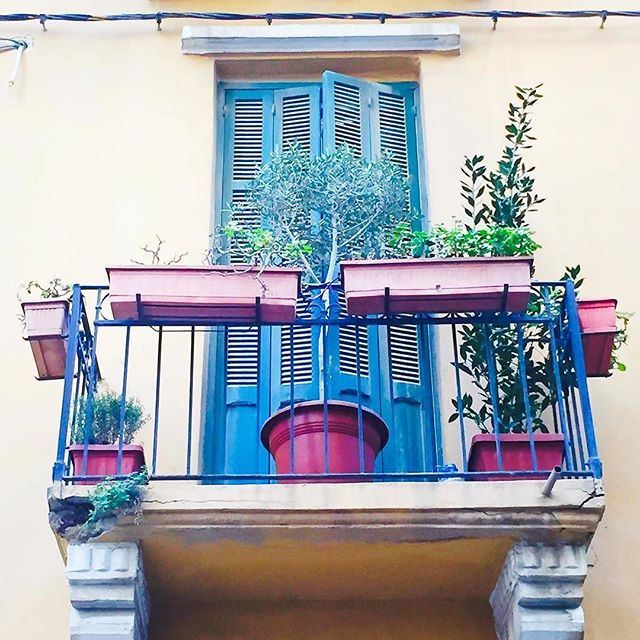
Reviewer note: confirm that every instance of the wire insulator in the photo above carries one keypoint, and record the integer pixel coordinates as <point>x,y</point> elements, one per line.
<point>494,19</point>
<point>43,22</point>
<point>159,21</point>
<point>269,19</point>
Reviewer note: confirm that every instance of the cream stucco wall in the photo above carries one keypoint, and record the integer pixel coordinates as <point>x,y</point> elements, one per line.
<point>107,139</point>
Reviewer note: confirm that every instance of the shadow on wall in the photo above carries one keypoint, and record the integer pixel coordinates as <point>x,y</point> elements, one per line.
<point>373,620</point>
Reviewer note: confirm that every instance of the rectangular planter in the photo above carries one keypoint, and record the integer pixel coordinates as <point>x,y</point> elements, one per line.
<point>203,292</point>
<point>515,451</point>
<point>102,460</point>
<point>47,329</point>
<point>598,330</point>
<point>435,285</point>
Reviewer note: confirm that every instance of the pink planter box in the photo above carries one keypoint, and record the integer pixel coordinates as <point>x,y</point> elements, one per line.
<point>515,451</point>
<point>204,293</point>
<point>47,328</point>
<point>309,439</point>
<point>102,460</point>
<point>434,285</point>
<point>598,329</point>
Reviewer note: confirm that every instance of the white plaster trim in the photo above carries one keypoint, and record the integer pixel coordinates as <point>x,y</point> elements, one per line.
<point>321,38</point>
<point>108,592</point>
<point>539,593</point>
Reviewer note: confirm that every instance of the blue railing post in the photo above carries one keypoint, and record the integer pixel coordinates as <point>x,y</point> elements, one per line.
<point>595,464</point>
<point>70,366</point>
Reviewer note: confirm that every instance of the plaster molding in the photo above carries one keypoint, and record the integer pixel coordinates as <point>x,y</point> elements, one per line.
<point>108,592</point>
<point>402,512</point>
<point>539,593</point>
<point>321,38</point>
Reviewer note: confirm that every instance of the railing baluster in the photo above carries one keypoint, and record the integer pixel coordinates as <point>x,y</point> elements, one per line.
<point>553,354</point>
<point>459,404</point>
<point>192,344</point>
<point>325,402</point>
<point>493,392</point>
<point>123,400</point>
<point>292,448</point>
<point>571,305</point>
<point>93,373</point>
<point>359,396</point>
<point>156,411</point>
<point>579,431</point>
<point>70,366</point>
<point>522,366</point>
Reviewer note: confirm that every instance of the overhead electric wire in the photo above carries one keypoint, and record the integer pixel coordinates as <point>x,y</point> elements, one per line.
<point>379,16</point>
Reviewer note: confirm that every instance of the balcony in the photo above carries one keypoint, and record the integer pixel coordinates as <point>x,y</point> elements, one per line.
<point>218,504</point>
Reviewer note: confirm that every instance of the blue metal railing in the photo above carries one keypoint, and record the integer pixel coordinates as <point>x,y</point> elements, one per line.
<point>521,373</point>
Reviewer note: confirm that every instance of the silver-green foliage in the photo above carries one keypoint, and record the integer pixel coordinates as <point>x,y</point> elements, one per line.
<point>316,211</point>
<point>105,424</point>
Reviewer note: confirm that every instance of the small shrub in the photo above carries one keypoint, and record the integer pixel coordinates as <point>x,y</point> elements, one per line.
<point>105,426</point>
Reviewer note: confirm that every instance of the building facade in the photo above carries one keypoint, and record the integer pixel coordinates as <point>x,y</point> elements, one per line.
<point>118,132</point>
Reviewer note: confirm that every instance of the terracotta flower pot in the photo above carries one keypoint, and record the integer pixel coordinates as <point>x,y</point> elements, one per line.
<point>204,292</point>
<point>47,328</point>
<point>515,451</point>
<point>435,285</point>
<point>598,329</point>
<point>309,439</point>
<point>102,460</point>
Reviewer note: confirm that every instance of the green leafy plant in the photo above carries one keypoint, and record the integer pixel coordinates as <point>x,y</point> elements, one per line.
<point>315,211</point>
<point>110,498</point>
<point>496,206</point>
<point>460,241</point>
<point>105,425</point>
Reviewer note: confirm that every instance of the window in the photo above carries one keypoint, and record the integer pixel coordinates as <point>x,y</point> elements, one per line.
<point>251,369</point>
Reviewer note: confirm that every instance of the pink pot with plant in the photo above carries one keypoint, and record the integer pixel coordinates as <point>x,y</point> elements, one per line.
<point>46,327</point>
<point>204,292</point>
<point>102,460</point>
<point>598,329</point>
<point>437,285</point>
<point>515,454</point>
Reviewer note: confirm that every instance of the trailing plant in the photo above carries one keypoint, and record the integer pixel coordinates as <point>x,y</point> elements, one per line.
<point>110,498</point>
<point>315,211</point>
<point>105,423</point>
<point>55,288</point>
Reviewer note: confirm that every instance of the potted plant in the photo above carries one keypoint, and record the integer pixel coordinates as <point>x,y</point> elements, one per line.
<point>458,269</point>
<point>170,290</point>
<point>343,439</point>
<point>103,438</point>
<point>45,318</point>
<point>603,328</point>
<point>316,212</point>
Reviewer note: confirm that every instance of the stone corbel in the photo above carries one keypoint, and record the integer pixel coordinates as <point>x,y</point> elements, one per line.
<point>108,592</point>
<point>539,593</point>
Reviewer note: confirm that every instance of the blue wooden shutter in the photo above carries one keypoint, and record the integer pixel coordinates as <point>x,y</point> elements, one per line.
<point>295,363</point>
<point>373,119</point>
<point>239,357</point>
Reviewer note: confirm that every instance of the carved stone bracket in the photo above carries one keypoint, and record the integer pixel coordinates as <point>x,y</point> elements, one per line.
<point>539,593</point>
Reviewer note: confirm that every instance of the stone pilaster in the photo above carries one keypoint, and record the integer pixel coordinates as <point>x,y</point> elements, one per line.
<point>108,592</point>
<point>539,593</point>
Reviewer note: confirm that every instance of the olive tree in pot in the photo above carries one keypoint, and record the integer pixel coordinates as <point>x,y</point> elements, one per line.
<point>102,436</point>
<point>316,212</point>
<point>45,319</point>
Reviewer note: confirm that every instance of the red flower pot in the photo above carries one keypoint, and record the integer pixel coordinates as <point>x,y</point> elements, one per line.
<point>598,329</point>
<point>309,439</point>
<point>102,460</point>
<point>435,285</point>
<point>515,451</point>
<point>204,292</point>
<point>47,328</point>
